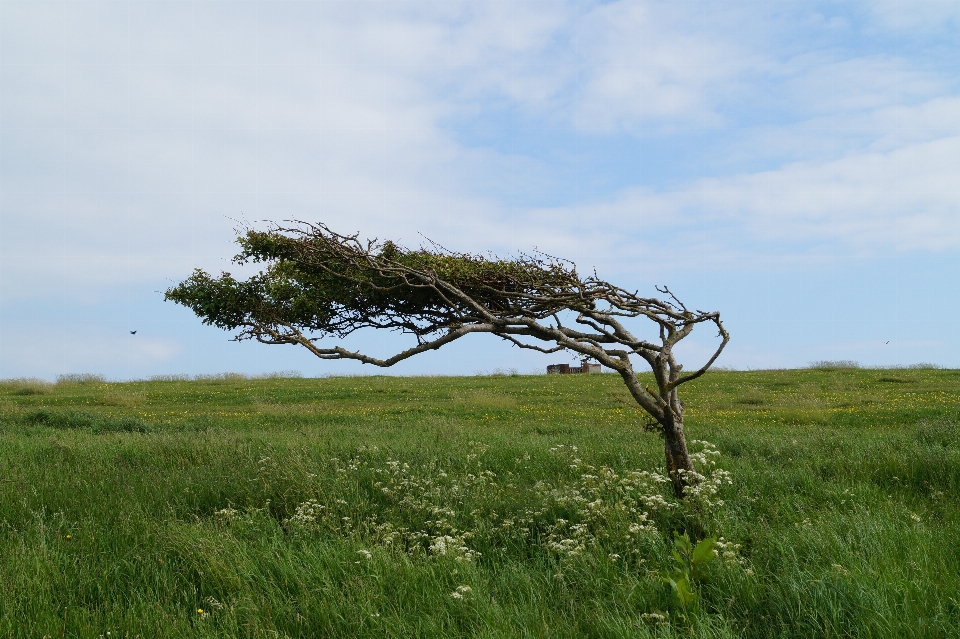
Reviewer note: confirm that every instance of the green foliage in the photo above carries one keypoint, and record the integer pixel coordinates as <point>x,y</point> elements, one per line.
<point>318,281</point>
<point>690,566</point>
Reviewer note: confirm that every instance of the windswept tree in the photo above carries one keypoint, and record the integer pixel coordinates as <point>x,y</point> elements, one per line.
<point>318,284</point>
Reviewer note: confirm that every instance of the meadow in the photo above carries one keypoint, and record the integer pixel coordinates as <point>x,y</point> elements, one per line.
<point>500,506</point>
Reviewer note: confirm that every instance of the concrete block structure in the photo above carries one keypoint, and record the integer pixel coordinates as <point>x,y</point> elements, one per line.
<point>566,369</point>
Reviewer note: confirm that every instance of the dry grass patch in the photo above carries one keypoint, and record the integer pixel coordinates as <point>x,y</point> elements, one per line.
<point>26,386</point>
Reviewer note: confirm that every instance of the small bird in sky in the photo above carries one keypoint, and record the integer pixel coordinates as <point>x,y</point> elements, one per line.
<point>133,332</point>
<point>887,342</point>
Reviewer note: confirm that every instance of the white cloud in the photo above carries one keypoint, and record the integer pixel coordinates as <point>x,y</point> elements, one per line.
<point>896,190</point>
<point>819,83</point>
<point>903,199</point>
<point>650,63</point>
<point>608,68</point>
<point>926,15</point>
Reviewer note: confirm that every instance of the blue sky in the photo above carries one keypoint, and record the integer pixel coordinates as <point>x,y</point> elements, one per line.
<point>793,165</point>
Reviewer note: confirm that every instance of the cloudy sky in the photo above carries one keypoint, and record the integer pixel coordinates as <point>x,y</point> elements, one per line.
<point>794,165</point>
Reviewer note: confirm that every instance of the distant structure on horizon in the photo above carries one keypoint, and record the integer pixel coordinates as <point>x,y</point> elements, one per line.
<point>566,369</point>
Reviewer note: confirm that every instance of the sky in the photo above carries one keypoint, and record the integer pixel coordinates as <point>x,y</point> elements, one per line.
<point>793,165</point>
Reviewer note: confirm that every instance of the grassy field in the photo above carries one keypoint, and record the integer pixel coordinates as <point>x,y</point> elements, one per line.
<point>517,506</point>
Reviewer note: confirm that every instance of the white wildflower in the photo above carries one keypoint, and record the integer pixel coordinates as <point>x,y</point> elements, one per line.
<point>307,515</point>
<point>213,603</point>
<point>456,547</point>
<point>228,513</point>
<point>655,617</point>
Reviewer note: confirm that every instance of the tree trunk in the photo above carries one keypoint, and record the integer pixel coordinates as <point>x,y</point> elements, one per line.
<point>669,415</point>
<point>675,451</point>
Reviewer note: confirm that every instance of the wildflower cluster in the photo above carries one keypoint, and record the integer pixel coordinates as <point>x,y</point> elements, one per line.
<point>455,547</point>
<point>657,618</point>
<point>569,541</point>
<point>461,592</point>
<point>729,552</point>
<point>703,486</point>
<point>307,515</point>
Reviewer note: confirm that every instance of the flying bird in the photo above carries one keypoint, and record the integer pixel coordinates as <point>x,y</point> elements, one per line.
<point>133,332</point>
<point>887,342</point>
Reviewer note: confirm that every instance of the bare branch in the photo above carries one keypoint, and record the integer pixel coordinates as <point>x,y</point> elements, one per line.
<point>339,352</point>
<point>534,347</point>
<point>703,369</point>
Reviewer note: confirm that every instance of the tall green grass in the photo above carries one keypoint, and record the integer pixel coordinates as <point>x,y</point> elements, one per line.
<point>505,506</point>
